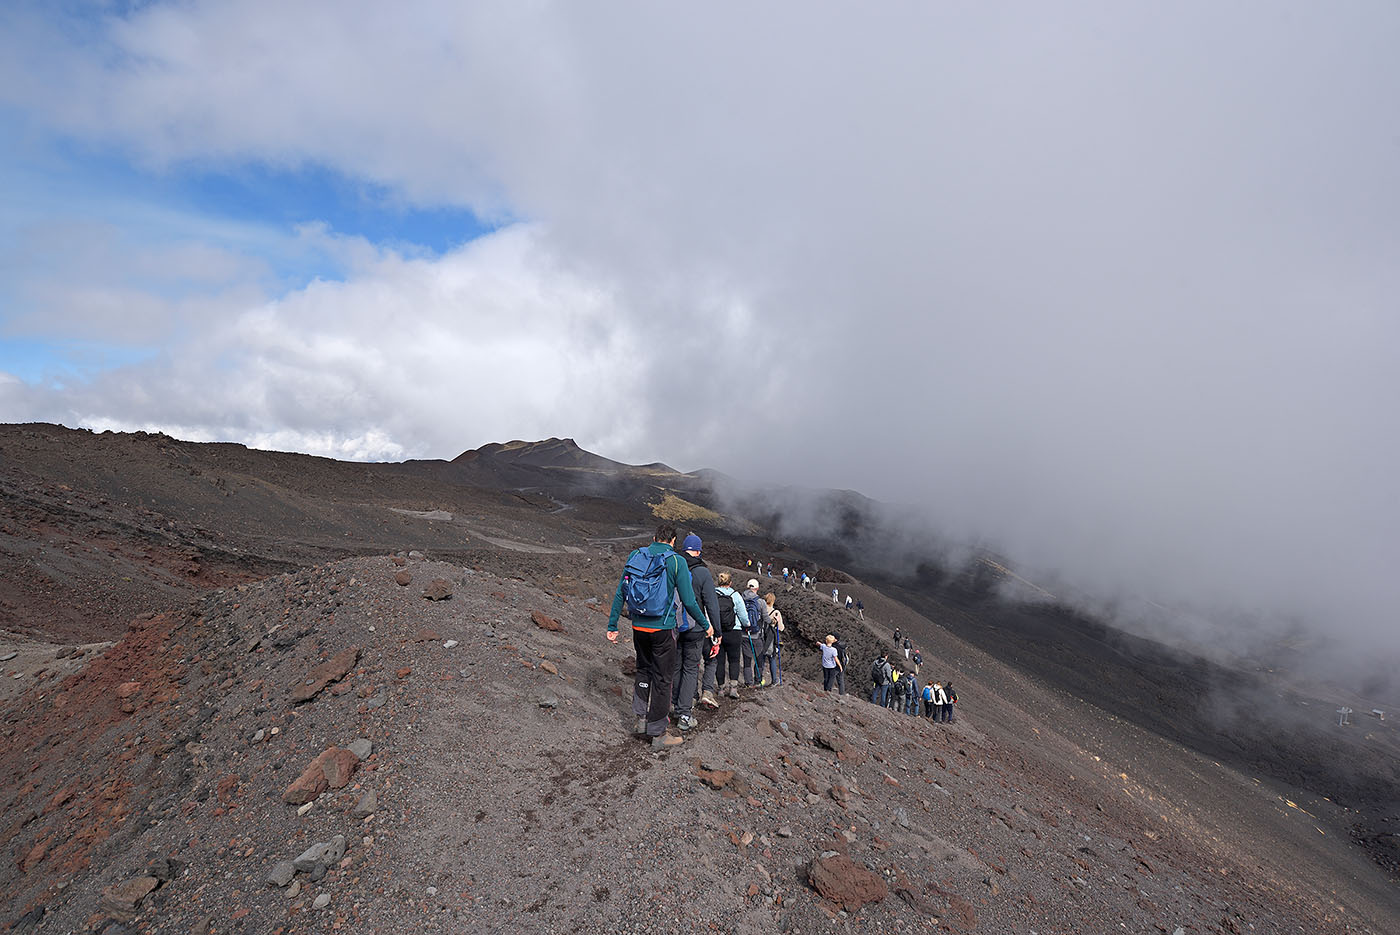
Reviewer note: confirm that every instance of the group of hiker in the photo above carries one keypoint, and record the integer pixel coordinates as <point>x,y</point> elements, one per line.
<point>697,638</point>
<point>901,691</point>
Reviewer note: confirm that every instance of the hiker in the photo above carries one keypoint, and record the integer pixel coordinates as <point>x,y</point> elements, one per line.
<point>773,644</point>
<point>952,699</point>
<point>881,678</point>
<point>834,599</point>
<point>845,661</point>
<point>940,701</point>
<point>908,646</point>
<point>651,578</point>
<point>734,623</point>
<point>930,711</point>
<point>918,661</point>
<point>753,646</point>
<point>770,569</point>
<point>901,692</point>
<point>785,574</point>
<point>911,696</point>
<point>896,636</point>
<point>831,662</point>
<point>692,642</point>
<point>860,608</point>
<point>850,602</point>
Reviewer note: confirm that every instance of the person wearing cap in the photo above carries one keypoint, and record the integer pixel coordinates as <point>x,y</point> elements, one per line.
<point>752,647</point>
<point>831,662</point>
<point>693,637</point>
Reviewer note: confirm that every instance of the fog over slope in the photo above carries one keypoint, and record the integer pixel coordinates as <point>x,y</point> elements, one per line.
<point>1108,289</point>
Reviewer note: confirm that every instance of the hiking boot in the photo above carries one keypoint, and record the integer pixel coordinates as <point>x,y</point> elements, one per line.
<point>686,722</point>
<point>709,700</point>
<point>663,741</point>
<point>732,691</point>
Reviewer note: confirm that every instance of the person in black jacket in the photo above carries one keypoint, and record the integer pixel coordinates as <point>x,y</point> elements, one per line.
<point>693,637</point>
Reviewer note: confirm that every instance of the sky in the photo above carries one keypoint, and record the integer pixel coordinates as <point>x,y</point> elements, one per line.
<point>1109,287</point>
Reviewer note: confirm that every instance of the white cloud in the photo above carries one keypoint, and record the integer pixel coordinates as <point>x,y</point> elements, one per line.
<point>1111,286</point>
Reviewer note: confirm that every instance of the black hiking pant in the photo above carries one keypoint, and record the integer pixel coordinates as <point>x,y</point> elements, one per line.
<point>651,690</point>
<point>730,655</point>
<point>710,665</point>
<point>690,646</point>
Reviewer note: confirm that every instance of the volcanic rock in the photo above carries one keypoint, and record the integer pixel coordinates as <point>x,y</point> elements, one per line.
<point>332,769</point>
<point>845,883</point>
<point>403,579</point>
<point>332,670</point>
<point>439,589</point>
<point>121,901</point>
<point>546,622</point>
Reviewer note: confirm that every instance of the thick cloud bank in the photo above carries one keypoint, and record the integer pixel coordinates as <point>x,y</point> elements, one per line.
<point>1108,287</point>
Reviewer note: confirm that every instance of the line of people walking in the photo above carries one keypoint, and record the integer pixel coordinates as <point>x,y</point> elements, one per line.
<point>697,639</point>
<point>901,691</point>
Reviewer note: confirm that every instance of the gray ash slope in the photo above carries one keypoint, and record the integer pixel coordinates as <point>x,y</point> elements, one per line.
<point>1034,811</point>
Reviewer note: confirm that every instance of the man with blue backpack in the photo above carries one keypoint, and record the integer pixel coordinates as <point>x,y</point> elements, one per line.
<point>651,580</point>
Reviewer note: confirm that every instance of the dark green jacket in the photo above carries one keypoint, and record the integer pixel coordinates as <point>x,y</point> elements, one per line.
<point>677,581</point>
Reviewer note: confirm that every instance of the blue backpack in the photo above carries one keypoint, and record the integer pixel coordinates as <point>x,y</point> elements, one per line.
<point>644,583</point>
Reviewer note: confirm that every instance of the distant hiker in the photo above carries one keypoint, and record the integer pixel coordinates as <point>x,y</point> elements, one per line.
<point>831,662</point>
<point>860,608</point>
<point>785,574</point>
<point>773,641</point>
<point>908,647</point>
<point>900,698</point>
<point>752,647</point>
<point>845,659</point>
<point>896,636</point>
<point>850,602</point>
<point>918,661</point>
<point>952,696</point>
<point>940,702</point>
<point>911,694</point>
<point>834,598</point>
<point>770,569</point>
<point>748,564</point>
<point>650,580</point>
<point>693,637</point>
<point>734,625</point>
<point>930,711</point>
<point>881,679</point>
<point>806,582</point>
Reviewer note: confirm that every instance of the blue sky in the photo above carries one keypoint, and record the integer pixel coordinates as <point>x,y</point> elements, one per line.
<point>250,207</point>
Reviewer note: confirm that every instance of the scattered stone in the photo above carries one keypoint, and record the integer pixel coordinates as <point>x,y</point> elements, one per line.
<point>303,809</point>
<point>439,589</point>
<point>404,673</point>
<point>65,652</point>
<point>281,873</point>
<point>714,778</point>
<point>332,769</point>
<point>121,901</point>
<point>549,667</point>
<point>259,735</point>
<point>403,579</point>
<point>784,832</point>
<point>844,882</point>
<point>361,747</point>
<point>8,656</point>
<point>549,701</point>
<point>322,901</point>
<point>376,702</point>
<point>901,817</point>
<point>399,560</point>
<point>294,890</point>
<point>449,644</point>
<point>317,874</point>
<point>415,555</point>
<point>367,804</point>
<point>127,689</point>
<point>829,741</point>
<point>325,853</point>
<point>338,767</point>
<point>332,670</point>
<point>546,622</point>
